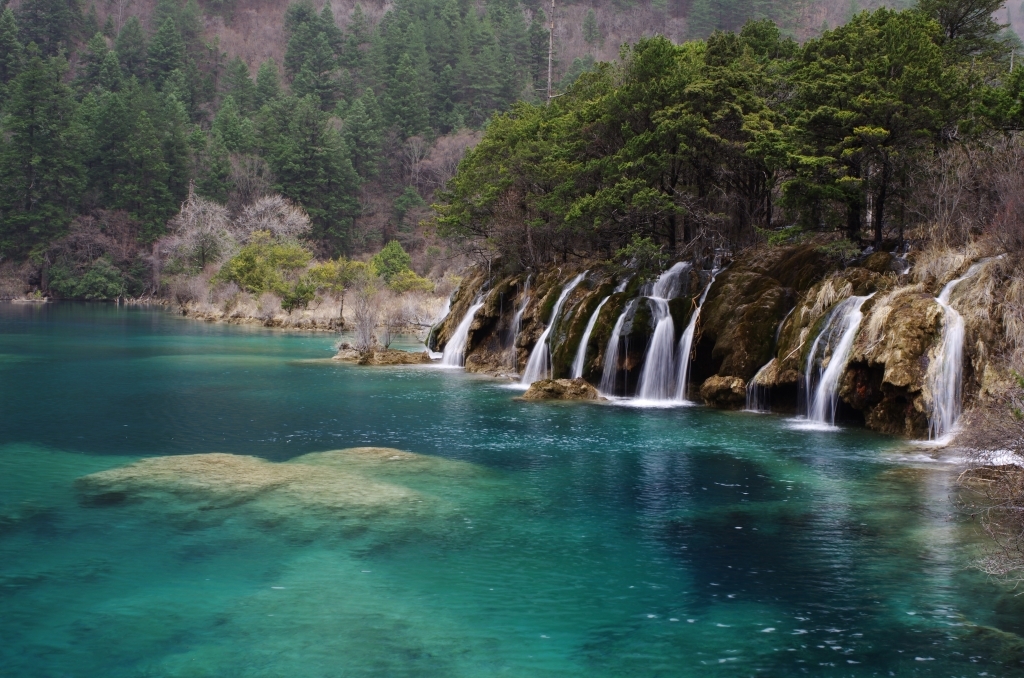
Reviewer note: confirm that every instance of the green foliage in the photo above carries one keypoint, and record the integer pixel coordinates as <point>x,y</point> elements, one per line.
<point>298,295</point>
<point>408,280</point>
<point>268,86</point>
<point>233,131</point>
<point>40,161</point>
<point>312,165</point>
<point>840,250</point>
<point>100,281</point>
<point>131,48</point>
<point>50,24</point>
<point>166,51</point>
<point>240,87</point>
<point>409,200</point>
<point>591,31</point>
<point>780,236</point>
<point>391,261</point>
<point>642,254</point>
<point>11,51</point>
<point>263,265</point>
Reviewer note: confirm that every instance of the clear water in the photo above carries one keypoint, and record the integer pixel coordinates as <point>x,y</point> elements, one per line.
<point>593,540</point>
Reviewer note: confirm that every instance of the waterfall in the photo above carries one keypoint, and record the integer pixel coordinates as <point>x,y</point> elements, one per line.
<point>611,353</point>
<point>843,323</point>
<point>455,350</point>
<point>945,373</point>
<point>686,343</point>
<point>657,378</point>
<point>539,365</point>
<point>581,352</point>
<point>517,322</point>
<point>757,395</point>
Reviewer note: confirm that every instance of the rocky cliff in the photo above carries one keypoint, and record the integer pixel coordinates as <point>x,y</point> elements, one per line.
<point>763,312</point>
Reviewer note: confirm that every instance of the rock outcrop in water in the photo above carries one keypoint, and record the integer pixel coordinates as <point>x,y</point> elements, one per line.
<point>761,317</point>
<point>561,389</point>
<point>381,356</point>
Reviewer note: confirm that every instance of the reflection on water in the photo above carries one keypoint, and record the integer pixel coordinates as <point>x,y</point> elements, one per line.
<point>549,540</point>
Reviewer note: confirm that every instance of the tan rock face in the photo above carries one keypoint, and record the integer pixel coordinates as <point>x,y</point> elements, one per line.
<point>724,392</point>
<point>561,389</point>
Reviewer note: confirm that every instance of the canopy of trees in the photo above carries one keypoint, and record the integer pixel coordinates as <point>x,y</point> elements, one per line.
<point>704,143</point>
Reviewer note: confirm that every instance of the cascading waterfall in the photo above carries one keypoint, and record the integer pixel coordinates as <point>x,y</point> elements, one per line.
<point>581,352</point>
<point>611,352</point>
<point>517,322</point>
<point>539,365</point>
<point>757,395</point>
<point>657,378</point>
<point>945,373</point>
<point>455,350</point>
<point>842,324</point>
<point>686,344</point>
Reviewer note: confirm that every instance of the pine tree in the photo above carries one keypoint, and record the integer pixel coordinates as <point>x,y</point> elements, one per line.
<point>92,61</point>
<point>700,22</point>
<point>591,33</point>
<point>357,39</point>
<point>131,48</point>
<point>268,85</point>
<point>91,22</point>
<point>311,163</point>
<point>51,24</point>
<point>335,37</point>
<point>319,73</point>
<point>405,103</point>
<point>231,129</point>
<point>240,86</point>
<point>166,51</point>
<point>110,76</point>
<point>363,132</point>
<point>11,51</point>
<point>190,23</point>
<point>40,163</point>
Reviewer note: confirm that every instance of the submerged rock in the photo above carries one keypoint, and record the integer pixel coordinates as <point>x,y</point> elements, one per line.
<point>561,389</point>
<point>341,489</point>
<point>724,392</point>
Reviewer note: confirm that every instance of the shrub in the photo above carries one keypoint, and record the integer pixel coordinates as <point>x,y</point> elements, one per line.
<point>101,280</point>
<point>262,265</point>
<point>407,280</point>
<point>391,261</point>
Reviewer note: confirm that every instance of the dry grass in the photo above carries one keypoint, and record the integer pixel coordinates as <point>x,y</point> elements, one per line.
<point>828,296</point>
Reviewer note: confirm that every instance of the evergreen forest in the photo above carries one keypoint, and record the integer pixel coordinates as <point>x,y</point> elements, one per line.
<point>109,127</point>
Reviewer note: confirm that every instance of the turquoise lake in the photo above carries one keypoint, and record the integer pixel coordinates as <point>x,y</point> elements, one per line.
<point>573,539</point>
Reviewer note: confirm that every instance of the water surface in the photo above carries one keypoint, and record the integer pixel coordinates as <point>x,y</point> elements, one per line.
<point>588,540</point>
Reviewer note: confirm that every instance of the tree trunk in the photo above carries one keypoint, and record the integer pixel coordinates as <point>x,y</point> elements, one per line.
<point>853,221</point>
<point>880,206</point>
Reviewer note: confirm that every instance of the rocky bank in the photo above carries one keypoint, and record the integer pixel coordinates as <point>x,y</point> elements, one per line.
<point>763,311</point>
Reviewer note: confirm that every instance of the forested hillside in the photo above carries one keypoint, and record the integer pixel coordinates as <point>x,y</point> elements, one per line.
<point>896,123</point>
<point>356,114</point>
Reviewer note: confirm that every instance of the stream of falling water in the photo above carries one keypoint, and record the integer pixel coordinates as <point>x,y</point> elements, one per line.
<point>945,373</point>
<point>686,344</point>
<point>842,324</point>
<point>455,350</point>
<point>581,352</point>
<point>517,322</point>
<point>657,378</point>
<point>539,365</point>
